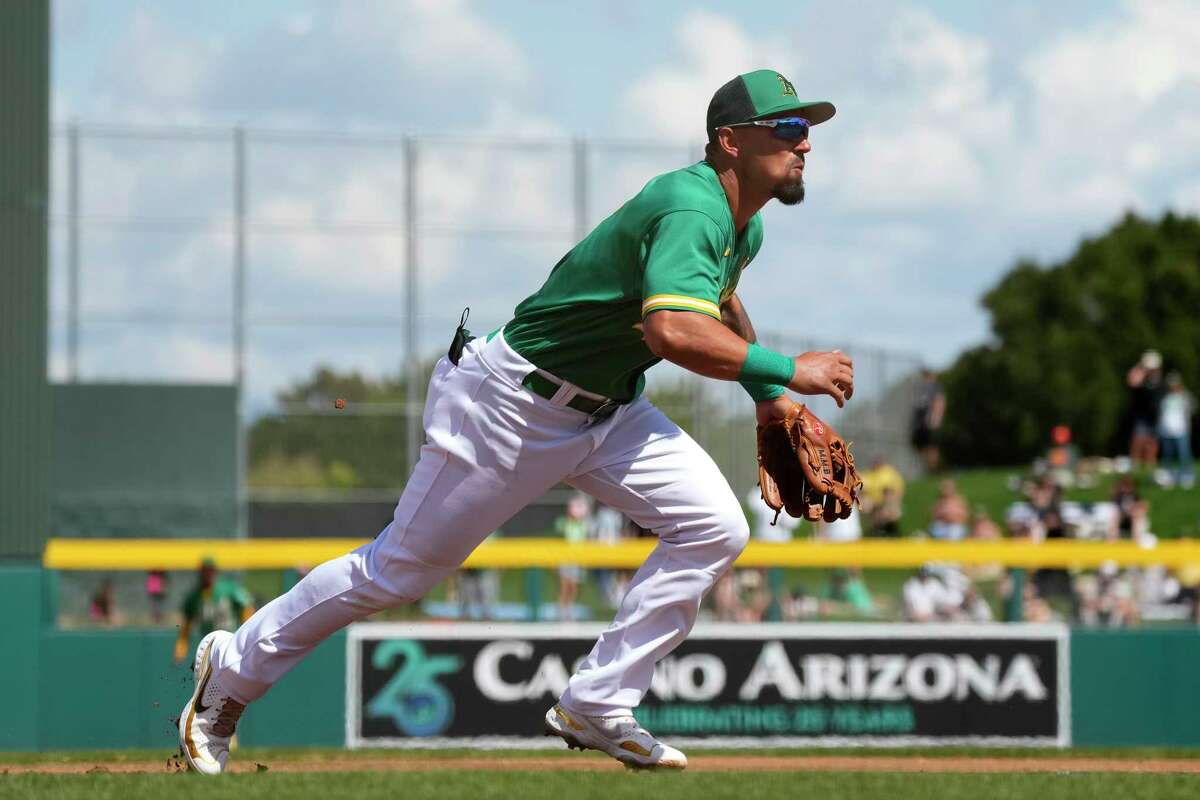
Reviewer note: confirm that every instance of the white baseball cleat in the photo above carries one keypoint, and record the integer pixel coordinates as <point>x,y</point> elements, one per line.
<point>208,720</point>
<point>620,737</point>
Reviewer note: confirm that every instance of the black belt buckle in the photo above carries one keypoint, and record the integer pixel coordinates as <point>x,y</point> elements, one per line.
<point>461,337</point>
<point>606,410</point>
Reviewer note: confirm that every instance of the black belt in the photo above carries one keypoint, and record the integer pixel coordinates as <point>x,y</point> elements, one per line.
<point>544,387</point>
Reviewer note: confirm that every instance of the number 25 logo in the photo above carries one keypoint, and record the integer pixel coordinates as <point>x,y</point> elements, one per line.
<point>415,701</point>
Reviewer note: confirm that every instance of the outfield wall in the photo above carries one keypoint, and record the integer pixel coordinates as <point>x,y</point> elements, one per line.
<point>100,689</point>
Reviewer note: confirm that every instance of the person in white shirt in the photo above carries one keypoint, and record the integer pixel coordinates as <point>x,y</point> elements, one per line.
<point>927,599</point>
<point>761,515</point>
<point>1174,429</point>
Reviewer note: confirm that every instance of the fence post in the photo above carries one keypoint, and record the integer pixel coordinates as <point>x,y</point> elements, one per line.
<point>412,406</point>
<point>239,323</point>
<point>581,189</point>
<point>777,587</point>
<point>533,592</point>
<point>73,211</point>
<point>1014,610</point>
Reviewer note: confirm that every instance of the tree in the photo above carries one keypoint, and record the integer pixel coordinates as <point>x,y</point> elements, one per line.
<point>1064,337</point>
<point>310,445</point>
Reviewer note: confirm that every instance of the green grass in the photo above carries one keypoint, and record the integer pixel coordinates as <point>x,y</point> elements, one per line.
<point>606,786</point>
<point>481,783</point>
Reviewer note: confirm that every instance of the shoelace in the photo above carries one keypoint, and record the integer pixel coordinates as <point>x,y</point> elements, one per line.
<point>628,726</point>
<point>227,717</point>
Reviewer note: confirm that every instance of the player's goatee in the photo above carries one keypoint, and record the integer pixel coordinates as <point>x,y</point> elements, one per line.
<point>791,192</point>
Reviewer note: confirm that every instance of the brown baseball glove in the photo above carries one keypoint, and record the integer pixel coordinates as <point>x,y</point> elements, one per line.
<point>806,468</point>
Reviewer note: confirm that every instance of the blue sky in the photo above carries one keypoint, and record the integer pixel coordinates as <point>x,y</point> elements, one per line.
<point>968,135</point>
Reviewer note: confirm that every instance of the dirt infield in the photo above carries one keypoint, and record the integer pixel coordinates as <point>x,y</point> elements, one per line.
<point>699,763</point>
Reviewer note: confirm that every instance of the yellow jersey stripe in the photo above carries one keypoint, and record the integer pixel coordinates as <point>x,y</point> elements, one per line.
<point>657,301</point>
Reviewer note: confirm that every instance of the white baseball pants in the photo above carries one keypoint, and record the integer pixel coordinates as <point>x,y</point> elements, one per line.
<point>492,448</point>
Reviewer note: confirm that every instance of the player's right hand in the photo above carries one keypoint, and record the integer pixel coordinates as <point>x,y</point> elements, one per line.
<point>829,373</point>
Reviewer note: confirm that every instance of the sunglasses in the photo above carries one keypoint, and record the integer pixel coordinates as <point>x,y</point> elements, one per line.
<point>791,129</point>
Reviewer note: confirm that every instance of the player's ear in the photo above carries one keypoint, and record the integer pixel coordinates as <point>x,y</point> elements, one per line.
<point>726,142</point>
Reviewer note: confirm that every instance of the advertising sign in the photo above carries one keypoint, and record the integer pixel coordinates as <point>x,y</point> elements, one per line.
<point>435,684</point>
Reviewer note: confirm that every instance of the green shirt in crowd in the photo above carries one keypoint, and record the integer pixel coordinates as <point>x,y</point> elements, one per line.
<point>573,531</point>
<point>218,607</point>
<point>672,246</point>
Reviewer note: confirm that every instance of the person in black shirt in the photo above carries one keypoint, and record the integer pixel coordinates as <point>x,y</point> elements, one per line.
<point>1145,396</point>
<point>928,409</point>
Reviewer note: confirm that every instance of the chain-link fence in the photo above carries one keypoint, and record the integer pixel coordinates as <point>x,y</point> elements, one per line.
<point>257,258</point>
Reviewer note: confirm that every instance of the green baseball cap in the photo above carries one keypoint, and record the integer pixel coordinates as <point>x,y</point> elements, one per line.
<point>759,94</point>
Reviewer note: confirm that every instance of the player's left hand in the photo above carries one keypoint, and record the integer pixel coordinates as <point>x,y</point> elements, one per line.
<point>768,410</point>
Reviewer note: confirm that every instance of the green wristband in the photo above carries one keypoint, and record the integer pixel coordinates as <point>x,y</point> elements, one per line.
<point>766,366</point>
<point>760,392</point>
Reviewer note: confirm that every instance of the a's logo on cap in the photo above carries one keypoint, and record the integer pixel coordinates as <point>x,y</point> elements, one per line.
<point>786,86</point>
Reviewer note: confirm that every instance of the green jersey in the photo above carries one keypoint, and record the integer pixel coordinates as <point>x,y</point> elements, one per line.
<point>573,531</point>
<point>672,246</point>
<point>218,607</point>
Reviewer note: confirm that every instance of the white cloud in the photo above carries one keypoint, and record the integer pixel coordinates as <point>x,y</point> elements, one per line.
<point>918,167</point>
<point>671,99</point>
<point>1116,105</point>
<point>350,64</point>
<point>924,141</point>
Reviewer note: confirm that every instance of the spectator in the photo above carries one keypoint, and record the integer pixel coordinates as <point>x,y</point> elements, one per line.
<point>846,593</point>
<point>841,530</point>
<point>1174,430</point>
<point>985,530</point>
<point>982,526</point>
<point>215,603</point>
<point>798,604</point>
<point>1045,497</point>
<point>609,527</point>
<point>1133,513</point>
<point>102,608</point>
<point>927,414</point>
<point>766,528</point>
<point>573,527</point>
<point>1022,522</point>
<point>974,608</point>
<point>1145,394</point>
<point>477,591</point>
<point>1034,607</point>
<point>1107,598</point>
<point>883,498</point>
<point>1187,589</point>
<point>741,596</point>
<point>1062,457</point>
<point>950,514</point>
<point>156,594</point>
<point>927,599</point>
<point>761,516</point>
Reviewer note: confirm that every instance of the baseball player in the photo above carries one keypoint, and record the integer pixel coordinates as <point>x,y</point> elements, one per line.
<point>556,395</point>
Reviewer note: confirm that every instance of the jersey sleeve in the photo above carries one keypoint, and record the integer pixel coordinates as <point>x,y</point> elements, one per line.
<point>682,269</point>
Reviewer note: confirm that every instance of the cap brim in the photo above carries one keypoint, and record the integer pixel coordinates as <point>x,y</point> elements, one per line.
<point>815,111</point>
